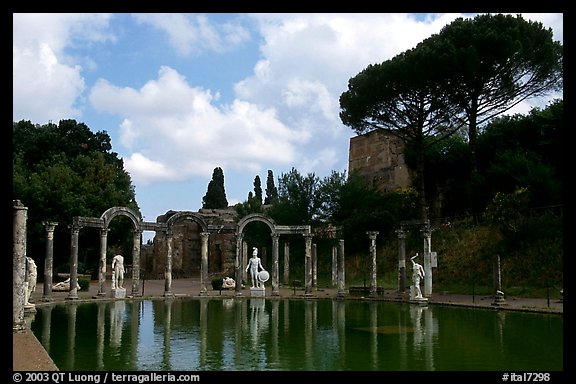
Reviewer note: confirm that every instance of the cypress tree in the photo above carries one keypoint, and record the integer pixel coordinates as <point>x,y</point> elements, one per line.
<point>215,197</point>
<point>271,190</point>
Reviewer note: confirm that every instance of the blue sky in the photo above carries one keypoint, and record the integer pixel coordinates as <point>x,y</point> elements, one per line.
<point>180,94</point>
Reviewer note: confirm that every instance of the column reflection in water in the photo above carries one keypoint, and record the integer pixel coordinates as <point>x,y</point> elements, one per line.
<point>403,340</point>
<point>47,322</point>
<point>71,334</point>
<point>137,308</point>
<point>286,316</point>
<point>227,341</point>
<point>501,319</point>
<point>309,333</point>
<point>100,333</point>
<point>203,332</point>
<point>274,331</point>
<point>339,308</point>
<point>239,304</point>
<point>167,333</point>
<point>431,327</point>
<point>373,306</point>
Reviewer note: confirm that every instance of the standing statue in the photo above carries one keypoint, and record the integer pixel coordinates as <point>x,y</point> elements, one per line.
<point>417,274</point>
<point>118,272</point>
<point>254,264</point>
<point>31,278</point>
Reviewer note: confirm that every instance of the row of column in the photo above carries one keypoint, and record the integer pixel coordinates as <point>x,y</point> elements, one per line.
<point>338,270</point>
<point>20,217</point>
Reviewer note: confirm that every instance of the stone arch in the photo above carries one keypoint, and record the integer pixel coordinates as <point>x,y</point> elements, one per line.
<point>106,218</point>
<point>102,223</point>
<point>194,217</point>
<point>255,217</point>
<point>111,213</point>
<point>187,215</point>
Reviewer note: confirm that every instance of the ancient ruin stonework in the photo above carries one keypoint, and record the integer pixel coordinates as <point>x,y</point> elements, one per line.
<point>379,157</point>
<point>186,246</point>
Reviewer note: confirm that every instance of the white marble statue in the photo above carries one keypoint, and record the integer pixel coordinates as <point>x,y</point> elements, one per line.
<point>254,265</point>
<point>118,272</point>
<point>63,286</point>
<point>31,278</point>
<point>228,283</point>
<point>417,275</point>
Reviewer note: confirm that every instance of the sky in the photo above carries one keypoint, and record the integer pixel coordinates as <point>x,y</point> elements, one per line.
<point>181,94</point>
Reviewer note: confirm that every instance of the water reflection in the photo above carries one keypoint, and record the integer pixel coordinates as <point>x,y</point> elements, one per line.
<point>283,334</point>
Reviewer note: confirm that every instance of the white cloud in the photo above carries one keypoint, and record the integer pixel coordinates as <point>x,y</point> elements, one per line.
<point>144,171</point>
<point>47,84</point>
<point>192,34</point>
<point>283,114</point>
<point>169,122</point>
<point>38,77</point>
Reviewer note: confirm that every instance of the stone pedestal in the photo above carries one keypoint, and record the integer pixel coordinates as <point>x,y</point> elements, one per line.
<point>29,308</point>
<point>417,300</point>
<point>499,299</point>
<point>118,293</point>
<point>258,292</point>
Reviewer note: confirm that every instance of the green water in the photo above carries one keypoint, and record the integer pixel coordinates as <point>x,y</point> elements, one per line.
<point>247,334</point>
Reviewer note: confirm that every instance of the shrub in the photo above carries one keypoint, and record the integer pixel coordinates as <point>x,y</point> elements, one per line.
<point>217,283</point>
<point>84,284</point>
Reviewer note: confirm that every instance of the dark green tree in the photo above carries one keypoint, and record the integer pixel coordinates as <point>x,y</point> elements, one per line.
<point>493,62</point>
<point>524,151</point>
<point>215,197</point>
<point>258,190</point>
<point>65,170</point>
<point>297,199</point>
<point>271,190</point>
<point>403,96</point>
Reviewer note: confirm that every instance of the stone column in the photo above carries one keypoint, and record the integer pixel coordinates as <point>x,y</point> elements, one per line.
<point>244,259</point>
<point>204,265</point>
<point>427,261</point>
<point>314,265</point>
<point>275,271</point>
<point>73,293</point>
<point>136,243</point>
<point>401,260</point>
<point>287,264</point>
<point>341,269</point>
<point>102,269</point>
<point>168,267</point>
<point>497,277</point>
<point>49,260</point>
<point>372,235</point>
<point>18,265</point>
<point>332,231</point>
<point>308,265</point>
<point>334,265</point>
<point>237,268</point>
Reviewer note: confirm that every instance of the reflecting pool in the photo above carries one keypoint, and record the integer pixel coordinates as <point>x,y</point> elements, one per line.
<point>241,334</point>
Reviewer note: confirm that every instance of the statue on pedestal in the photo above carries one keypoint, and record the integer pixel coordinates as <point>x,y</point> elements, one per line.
<point>417,275</point>
<point>255,265</point>
<point>31,279</point>
<point>118,272</point>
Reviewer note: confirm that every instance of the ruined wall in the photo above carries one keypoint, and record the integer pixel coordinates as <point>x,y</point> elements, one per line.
<point>187,246</point>
<point>379,157</point>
